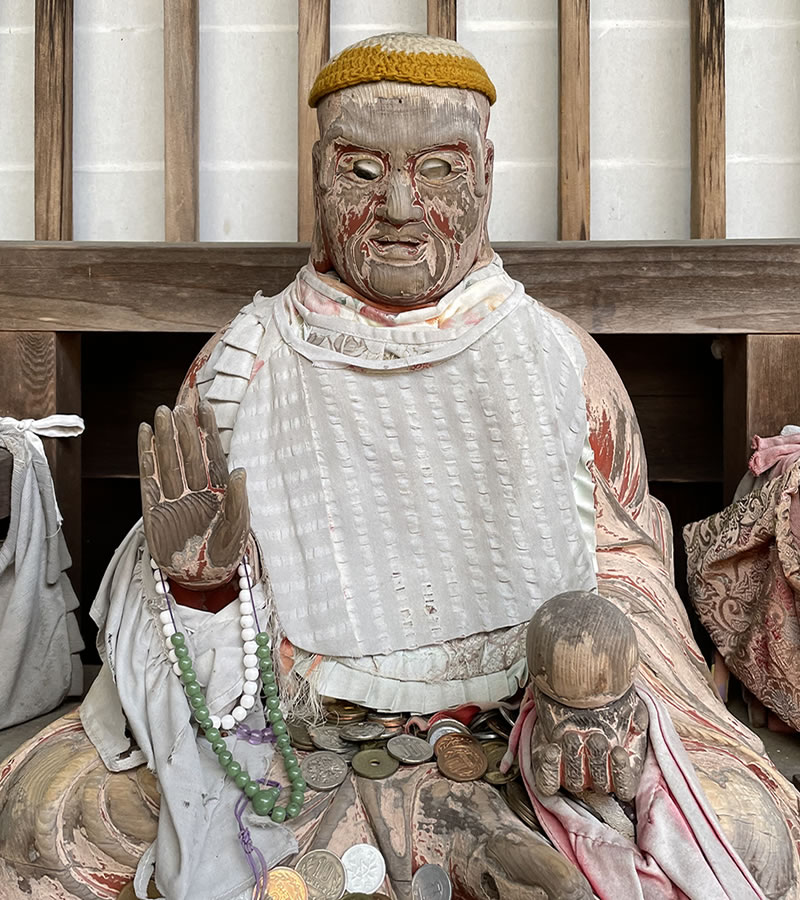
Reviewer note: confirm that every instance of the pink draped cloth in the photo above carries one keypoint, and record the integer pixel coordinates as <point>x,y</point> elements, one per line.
<point>780,451</point>
<point>681,852</point>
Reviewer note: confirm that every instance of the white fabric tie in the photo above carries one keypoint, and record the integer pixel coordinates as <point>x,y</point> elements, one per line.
<point>58,425</point>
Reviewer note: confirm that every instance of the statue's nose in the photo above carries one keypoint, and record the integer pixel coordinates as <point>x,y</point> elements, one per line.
<point>399,204</point>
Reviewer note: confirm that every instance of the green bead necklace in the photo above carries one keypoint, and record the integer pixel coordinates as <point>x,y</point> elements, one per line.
<point>261,799</point>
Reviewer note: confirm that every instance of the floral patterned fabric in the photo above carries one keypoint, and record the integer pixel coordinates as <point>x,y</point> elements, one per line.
<point>744,579</point>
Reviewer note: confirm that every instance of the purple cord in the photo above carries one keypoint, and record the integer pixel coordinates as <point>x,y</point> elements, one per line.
<point>258,865</point>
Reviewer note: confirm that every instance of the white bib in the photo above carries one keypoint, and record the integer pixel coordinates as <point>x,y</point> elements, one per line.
<point>409,502</point>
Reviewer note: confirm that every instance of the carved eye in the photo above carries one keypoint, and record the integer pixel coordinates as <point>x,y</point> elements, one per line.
<point>435,169</point>
<point>367,169</point>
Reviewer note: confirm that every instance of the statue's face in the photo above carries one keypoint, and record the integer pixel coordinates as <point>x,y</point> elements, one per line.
<point>403,177</point>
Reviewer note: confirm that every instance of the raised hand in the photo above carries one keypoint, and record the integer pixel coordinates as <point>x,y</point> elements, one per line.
<point>599,749</point>
<point>196,517</point>
<point>591,726</point>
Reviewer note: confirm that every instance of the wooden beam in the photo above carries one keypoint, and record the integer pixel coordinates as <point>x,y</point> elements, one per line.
<point>39,376</point>
<point>313,50</point>
<point>678,287</point>
<point>573,120</point>
<point>442,18</point>
<point>52,137</point>
<point>708,118</point>
<point>760,395</point>
<point>181,42</point>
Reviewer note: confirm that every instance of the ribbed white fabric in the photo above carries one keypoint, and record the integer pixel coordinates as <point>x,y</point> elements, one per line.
<point>406,508</point>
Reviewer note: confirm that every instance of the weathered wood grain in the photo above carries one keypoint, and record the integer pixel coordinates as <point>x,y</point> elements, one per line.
<point>682,287</point>
<point>52,134</point>
<point>313,49</point>
<point>181,43</point>
<point>442,18</point>
<point>760,396</point>
<point>708,118</point>
<point>39,376</point>
<point>573,120</point>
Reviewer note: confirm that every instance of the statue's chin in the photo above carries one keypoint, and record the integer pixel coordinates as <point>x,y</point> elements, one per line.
<point>401,285</point>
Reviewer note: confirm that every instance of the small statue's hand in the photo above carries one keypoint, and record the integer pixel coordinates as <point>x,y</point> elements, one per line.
<point>600,749</point>
<point>196,517</point>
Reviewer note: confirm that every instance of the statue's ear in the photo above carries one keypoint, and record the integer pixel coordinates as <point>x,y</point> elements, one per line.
<point>485,252</point>
<point>319,257</point>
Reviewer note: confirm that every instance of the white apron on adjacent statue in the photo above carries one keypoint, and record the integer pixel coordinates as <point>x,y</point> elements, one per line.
<point>39,637</point>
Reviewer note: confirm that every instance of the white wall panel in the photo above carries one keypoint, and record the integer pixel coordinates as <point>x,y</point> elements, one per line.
<point>118,130</point>
<point>248,121</point>
<point>354,20</point>
<point>16,120</point>
<point>763,118</point>
<point>640,129</point>
<point>520,53</point>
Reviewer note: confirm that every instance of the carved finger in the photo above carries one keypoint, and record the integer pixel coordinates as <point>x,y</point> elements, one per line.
<point>547,769</point>
<point>625,783</point>
<point>226,545</point>
<point>572,752</point>
<point>217,463</point>
<point>641,718</point>
<point>194,467</point>
<point>169,467</point>
<point>597,751</point>
<point>148,476</point>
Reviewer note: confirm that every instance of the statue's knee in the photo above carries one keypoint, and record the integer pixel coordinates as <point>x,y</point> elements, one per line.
<point>753,824</point>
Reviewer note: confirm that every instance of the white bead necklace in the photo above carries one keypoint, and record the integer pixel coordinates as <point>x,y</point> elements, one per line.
<point>247,622</point>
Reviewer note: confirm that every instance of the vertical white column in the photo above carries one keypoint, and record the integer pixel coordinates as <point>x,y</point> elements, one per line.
<point>118,187</point>
<point>16,115</point>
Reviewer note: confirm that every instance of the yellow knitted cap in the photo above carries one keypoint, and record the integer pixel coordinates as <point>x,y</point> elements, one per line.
<point>412,58</point>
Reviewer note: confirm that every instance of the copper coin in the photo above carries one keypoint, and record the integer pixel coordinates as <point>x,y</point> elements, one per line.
<point>374,764</point>
<point>323,873</point>
<point>453,738</point>
<point>461,760</point>
<point>445,726</point>
<point>495,751</point>
<point>286,884</point>
<point>339,712</point>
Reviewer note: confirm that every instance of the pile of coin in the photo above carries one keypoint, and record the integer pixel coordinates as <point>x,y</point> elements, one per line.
<point>361,870</point>
<point>375,745</point>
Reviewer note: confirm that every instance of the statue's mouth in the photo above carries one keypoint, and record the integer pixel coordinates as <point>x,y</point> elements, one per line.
<point>398,249</point>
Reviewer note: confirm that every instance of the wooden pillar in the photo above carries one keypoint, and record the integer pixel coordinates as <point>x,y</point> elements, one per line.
<point>181,41</point>
<point>52,130</point>
<point>442,18</point>
<point>573,121</point>
<point>313,49</point>
<point>40,376</point>
<point>760,394</point>
<point>708,118</point>
<point>40,371</point>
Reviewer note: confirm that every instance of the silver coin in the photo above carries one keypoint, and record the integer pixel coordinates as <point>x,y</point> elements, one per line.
<point>365,868</point>
<point>409,750</point>
<point>323,770</point>
<point>431,882</point>
<point>361,731</point>
<point>443,727</point>
<point>327,737</point>
<point>323,874</point>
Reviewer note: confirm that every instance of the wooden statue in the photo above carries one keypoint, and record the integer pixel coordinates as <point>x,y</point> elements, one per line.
<point>394,464</point>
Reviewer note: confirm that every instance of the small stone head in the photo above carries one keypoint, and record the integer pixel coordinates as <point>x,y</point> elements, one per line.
<point>403,169</point>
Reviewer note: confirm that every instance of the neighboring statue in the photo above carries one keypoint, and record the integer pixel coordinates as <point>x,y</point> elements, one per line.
<point>394,464</point>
